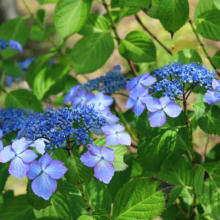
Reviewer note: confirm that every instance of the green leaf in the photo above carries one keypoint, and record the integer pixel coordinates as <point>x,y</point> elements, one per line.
<point>98,196</point>
<point>97,215</point>
<point>217,4</point>
<point>37,34</point>
<point>214,154</point>
<point>119,150</point>
<point>47,1</point>
<point>48,218</point>
<point>130,203</point>
<point>77,170</point>
<point>11,68</point>
<point>13,29</point>
<point>137,47</point>
<point>127,11</point>
<point>86,53</point>
<point>17,208</point>
<point>216,59</point>
<point>207,187</point>
<point>95,24</point>
<point>69,83</point>
<point>152,11</point>
<point>203,6</point>
<point>208,117</point>
<point>134,3</point>
<point>70,15</point>
<point>4,174</point>
<point>173,14</point>
<point>22,98</point>
<point>187,56</point>
<point>50,81</point>
<point>60,154</point>
<point>152,154</point>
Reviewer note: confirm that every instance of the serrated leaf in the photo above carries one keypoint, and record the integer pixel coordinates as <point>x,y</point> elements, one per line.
<point>152,11</point>
<point>22,98</point>
<point>134,3</point>
<point>17,208</point>
<point>91,52</point>
<point>119,150</point>
<point>95,24</point>
<point>208,117</point>
<point>127,11</point>
<point>11,68</point>
<point>173,14</point>
<point>70,15</point>
<point>216,59</point>
<point>13,29</point>
<point>137,47</point>
<point>152,154</point>
<point>129,203</point>
<point>207,188</point>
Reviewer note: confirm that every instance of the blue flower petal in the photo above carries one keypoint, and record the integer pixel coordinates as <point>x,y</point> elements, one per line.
<point>34,170</point>
<point>153,105</point>
<point>210,97</point>
<point>104,171</point>
<point>138,108</point>
<point>45,160</point>
<point>28,156</point>
<point>172,109</point>
<point>89,160</point>
<point>1,145</point>
<point>132,83</point>
<point>18,168</point>
<point>157,119</point>
<point>164,101</point>
<point>44,186</point>
<point>215,84</point>
<point>108,154</point>
<point>6,154</point>
<point>124,138</point>
<point>130,103</point>
<point>137,91</point>
<point>150,80</point>
<point>20,145</point>
<point>112,140</point>
<point>95,150</point>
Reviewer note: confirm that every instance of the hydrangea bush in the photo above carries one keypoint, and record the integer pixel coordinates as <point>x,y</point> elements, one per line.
<point>88,154</point>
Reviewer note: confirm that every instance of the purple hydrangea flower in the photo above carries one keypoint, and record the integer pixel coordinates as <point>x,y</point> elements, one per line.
<point>82,98</point>
<point>20,157</point>
<point>15,45</point>
<point>40,145</point>
<point>71,93</point>
<point>101,158</point>
<point>157,107</point>
<point>212,96</point>
<point>115,135</point>
<point>1,142</point>
<point>138,104</point>
<point>138,85</point>
<point>45,172</point>
<point>101,101</point>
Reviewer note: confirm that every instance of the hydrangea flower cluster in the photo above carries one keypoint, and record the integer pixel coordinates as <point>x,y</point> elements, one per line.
<point>173,77</point>
<point>13,44</point>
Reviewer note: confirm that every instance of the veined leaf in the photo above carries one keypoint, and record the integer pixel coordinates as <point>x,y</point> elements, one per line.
<point>216,59</point>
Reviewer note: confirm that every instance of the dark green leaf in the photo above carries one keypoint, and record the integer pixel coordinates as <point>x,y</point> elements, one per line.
<point>152,11</point>
<point>4,174</point>
<point>216,59</point>
<point>214,154</point>
<point>11,68</point>
<point>134,3</point>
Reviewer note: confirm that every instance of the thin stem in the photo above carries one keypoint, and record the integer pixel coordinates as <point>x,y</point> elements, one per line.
<point>80,187</point>
<point>3,89</point>
<point>116,35</point>
<point>206,147</point>
<point>41,26</point>
<point>152,35</point>
<point>203,46</point>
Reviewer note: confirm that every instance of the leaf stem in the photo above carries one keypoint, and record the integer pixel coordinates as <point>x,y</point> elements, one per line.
<point>203,46</point>
<point>117,36</point>
<point>152,35</point>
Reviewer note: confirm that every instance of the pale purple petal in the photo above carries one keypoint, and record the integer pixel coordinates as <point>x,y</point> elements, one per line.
<point>146,98</point>
<point>18,168</point>
<point>89,96</point>
<point>71,93</point>
<point>75,101</point>
<point>143,76</point>
<point>137,91</point>
<point>44,186</point>
<point>108,129</point>
<point>118,128</point>
<point>40,145</point>
<point>107,101</point>
<point>112,140</point>
<point>99,96</point>
<point>28,156</point>
<point>109,117</point>
<point>95,150</point>
<point>104,171</point>
<point>56,169</point>
<point>108,154</point>
<point>138,108</point>
<point>132,83</point>
<point>211,98</point>
<point>130,103</point>
<point>157,119</point>
<point>153,105</point>
<point>124,138</point>
<point>1,145</point>
<point>45,160</point>
<point>215,84</point>
<point>164,101</point>
<point>89,160</point>
<point>20,145</point>
<point>1,133</point>
<point>172,109</point>
<point>81,93</point>
<point>34,170</point>
<point>148,81</point>
<point>6,154</point>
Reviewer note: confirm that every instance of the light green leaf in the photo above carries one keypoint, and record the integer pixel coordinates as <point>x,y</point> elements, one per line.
<point>70,15</point>
<point>152,11</point>
<point>13,29</point>
<point>130,203</point>
<point>134,3</point>
<point>11,68</point>
<point>91,52</point>
<point>119,150</point>
<point>152,154</point>
<point>95,24</point>
<point>17,208</point>
<point>47,1</point>
<point>22,98</point>
<point>137,47</point>
<point>216,59</point>
<point>217,4</point>
<point>173,14</point>
<point>203,6</point>
<point>207,187</point>
<point>127,11</point>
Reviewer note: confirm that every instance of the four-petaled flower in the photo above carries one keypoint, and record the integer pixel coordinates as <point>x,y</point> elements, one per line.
<point>20,157</point>
<point>101,158</point>
<point>115,135</point>
<point>40,145</point>
<point>45,172</point>
<point>15,45</point>
<point>138,104</point>
<point>71,93</point>
<point>1,142</point>
<point>82,98</point>
<point>212,96</point>
<point>138,85</point>
<point>157,107</point>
